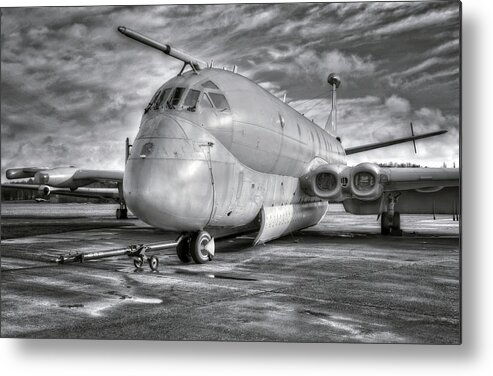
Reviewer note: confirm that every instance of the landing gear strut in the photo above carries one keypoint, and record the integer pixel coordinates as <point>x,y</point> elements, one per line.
<point>198,246</point>
<point>122,212</point>
<point>391,220</point>
<point>391,224</point>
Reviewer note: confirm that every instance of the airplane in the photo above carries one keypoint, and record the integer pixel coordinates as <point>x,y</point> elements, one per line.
<point>216,154</point>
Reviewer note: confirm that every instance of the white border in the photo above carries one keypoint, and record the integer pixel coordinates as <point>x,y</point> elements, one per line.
<point>70,357</point>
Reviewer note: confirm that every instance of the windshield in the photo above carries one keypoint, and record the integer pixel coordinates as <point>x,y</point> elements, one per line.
<point>162,98</point>
<point>171,98</point>
<point>219,101</point>
<point>191,99</point>
<point>175,97</point>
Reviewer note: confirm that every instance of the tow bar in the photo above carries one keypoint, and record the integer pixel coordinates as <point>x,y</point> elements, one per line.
<point>136,252</point>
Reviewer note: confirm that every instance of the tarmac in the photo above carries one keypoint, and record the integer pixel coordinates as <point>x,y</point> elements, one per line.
<point>339,281</point>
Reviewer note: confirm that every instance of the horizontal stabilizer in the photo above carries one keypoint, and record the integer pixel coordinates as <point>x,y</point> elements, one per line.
<point>378,145</point>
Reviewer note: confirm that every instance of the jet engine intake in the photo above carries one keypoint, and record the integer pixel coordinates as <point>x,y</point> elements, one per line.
<point>366,181</point>
<point>44,190</point>
<point>324,182</point>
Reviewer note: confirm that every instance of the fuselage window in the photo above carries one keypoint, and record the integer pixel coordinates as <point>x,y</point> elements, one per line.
<point>175,98</point>
<point>210,85</point>
<point>205,102</point>
<point>161,98</point>
<point>219,101</point>
<point>191,99</point>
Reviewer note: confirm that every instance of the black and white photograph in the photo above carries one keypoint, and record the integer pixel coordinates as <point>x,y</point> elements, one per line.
<point>278,172</point>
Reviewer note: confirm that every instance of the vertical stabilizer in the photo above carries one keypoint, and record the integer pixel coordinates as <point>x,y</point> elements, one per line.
<point>331,125</point>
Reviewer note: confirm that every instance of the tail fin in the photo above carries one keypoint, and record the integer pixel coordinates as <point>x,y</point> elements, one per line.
<point>331,125</point>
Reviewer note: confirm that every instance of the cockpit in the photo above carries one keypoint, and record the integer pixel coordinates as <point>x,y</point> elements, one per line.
<point>204,95</point>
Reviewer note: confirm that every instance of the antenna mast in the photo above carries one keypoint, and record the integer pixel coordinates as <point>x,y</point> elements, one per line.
<point>331,125</point>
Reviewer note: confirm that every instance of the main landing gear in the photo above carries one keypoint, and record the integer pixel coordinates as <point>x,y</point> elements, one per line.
<point>391,223</point>
<point>198,246</point>
<point>122,212</point>
<point>390,219</point>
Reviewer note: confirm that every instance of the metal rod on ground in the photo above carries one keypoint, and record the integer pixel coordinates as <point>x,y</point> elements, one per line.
<point>131,251</point>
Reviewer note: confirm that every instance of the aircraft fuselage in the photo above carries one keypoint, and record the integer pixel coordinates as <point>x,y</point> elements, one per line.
<point>214,148</point>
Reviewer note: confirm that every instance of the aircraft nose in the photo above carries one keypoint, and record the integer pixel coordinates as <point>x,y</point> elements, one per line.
<point>168,182</point>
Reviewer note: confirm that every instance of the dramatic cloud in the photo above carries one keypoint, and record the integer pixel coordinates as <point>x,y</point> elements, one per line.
<point>398,106</point>
<point>73,88</point>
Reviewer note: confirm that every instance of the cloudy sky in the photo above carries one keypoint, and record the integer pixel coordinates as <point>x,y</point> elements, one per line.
<point>72,87</point>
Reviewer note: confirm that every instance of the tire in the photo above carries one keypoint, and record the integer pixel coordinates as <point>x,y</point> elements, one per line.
<point>183,250</point>
<point>199,254</point>
<point>121,214</point>
<point>385,224</point>
<point>139,262</point>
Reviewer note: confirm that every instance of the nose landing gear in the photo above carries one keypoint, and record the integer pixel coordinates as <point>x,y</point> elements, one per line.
<point>198,246</point>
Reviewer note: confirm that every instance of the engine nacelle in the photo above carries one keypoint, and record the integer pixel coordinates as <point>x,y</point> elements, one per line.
<point>324,182</point>
<point>366,181</point>
<point>44,190</point>
<point>56,177</point>
<point>23,172</point>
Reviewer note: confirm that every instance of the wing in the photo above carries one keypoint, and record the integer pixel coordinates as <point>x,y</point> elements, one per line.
<point>65,177</point>
<point>46,190</point>
<point>68,181</point>
<point>367,188</point>
<point>408,190</point>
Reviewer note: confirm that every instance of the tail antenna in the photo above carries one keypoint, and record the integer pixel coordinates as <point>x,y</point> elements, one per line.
<point>331,126</point>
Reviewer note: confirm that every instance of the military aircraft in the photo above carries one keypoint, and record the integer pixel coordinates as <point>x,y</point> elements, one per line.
<point>217,154</point>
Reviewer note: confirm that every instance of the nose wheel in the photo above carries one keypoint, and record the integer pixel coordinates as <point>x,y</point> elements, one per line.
<point>183,250</point>
<point>199,247</point>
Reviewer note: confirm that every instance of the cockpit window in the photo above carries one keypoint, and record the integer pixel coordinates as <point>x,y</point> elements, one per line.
<point>191,99</point>
<point>175,97</point>
<point>161,98</point>
<point>209,85</point>
<point>219,101</point>
<point>205,102</point>
<point>153,100</point>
